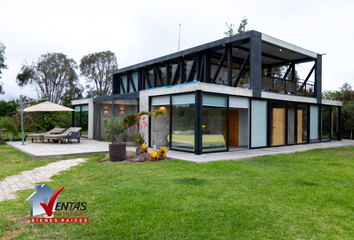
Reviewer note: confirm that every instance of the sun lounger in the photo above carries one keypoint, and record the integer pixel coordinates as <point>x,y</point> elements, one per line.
<point>73,135</point>
<point>40,135</point>
<point>61,137</point>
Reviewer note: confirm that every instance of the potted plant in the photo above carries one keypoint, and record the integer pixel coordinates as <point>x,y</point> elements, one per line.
<point>114,127</point>
<point>137,139</point>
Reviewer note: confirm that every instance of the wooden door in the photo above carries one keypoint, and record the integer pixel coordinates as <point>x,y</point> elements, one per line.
<point>278,126</point>
<point>299,126</point>
<point>233,127</point>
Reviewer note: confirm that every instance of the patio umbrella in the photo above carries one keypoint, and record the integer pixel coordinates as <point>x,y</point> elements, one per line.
<point>48,107</point>
<point>43,107</point>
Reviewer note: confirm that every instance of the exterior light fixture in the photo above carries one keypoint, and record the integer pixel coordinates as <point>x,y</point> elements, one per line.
<point>162,108</point>
<point>223,45</point>
<point>280,50</point>
<point>121,110</point>
<point>203,126</point>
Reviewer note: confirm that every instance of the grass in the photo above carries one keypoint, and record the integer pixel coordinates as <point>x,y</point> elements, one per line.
<point>305,195</point>
<point>13,162</point>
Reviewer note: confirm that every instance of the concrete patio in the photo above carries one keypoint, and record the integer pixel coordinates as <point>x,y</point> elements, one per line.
<point>49,150</point>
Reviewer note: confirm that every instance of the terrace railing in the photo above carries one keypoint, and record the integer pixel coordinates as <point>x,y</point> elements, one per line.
<point>285,86</point>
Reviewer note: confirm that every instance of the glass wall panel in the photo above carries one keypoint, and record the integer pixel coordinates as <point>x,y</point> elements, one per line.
<point>214,123</point>
<point>221,77</point>
<point>162,129</point>
<point>190,72</point>
<point>81,118</point>
<point>302,128</point>
<point>125,82</point>
<point>258,123</point>
<point>314,126</point>
<point>325,123</point>
<point>183,119</point>
<point>174,73</point>
<point>135,76</point>
<point>334,125</point>
<point>278,123</point>
<point>162,73</point>
<point>291,123</point>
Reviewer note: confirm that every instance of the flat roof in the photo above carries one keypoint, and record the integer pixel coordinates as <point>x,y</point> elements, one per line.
<point>274,51</point>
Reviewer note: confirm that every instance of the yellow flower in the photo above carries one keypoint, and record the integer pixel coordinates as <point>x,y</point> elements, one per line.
<point>153,154</point>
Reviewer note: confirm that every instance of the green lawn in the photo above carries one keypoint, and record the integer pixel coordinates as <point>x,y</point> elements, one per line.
<point>296,196</point>
<point>13,162</point>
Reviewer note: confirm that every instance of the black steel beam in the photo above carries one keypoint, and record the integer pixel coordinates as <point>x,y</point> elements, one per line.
<point>181,70</point>
<point>192,71</point>
<point>158,75</point>
<point>339,115</point>
<point>122,86</point>
<point>229,64</point>
<point>256,64</point>
<point>174,78</point>
<point>287,72</point>
<point>198,122</point>
<point>241,70</point>
<point>146,79</point>
<point>115,84</point>
<point>219,66</point>
<point>217,43</point>
<point>207,67</point>
<point>131,82</point>
<point>201,68</point>
<point>308,76</point>
<point>132,95</point>
<point>318,79</point>
<point>168,74</point>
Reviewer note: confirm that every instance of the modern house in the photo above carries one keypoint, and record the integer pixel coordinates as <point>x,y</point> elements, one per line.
<point>240,92</point>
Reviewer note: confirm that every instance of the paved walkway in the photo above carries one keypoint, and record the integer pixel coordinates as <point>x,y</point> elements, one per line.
<point>27,179</point>
<point>237,155</point>
<point>50,150</point>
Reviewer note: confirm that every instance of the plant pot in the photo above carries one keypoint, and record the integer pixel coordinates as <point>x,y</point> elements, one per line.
<point>117,151</point>
<point>137,152</point>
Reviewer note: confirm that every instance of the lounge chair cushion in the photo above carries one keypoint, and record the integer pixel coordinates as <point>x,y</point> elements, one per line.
<point>62,135</point>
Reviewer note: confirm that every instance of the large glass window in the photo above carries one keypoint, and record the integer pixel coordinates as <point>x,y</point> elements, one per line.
<point>162,124</point>
<point>124,80</point>
<point>81,119</point>
<point>135,76</point>
<point>183,121</point>
<point>214,123</point>
<point>278,123</point>
<point>291,123</point>
<point>325,123</point>
<point>302,129</point>
<point>314,126</point>
<point>258,123</point>
<point>162,74</point>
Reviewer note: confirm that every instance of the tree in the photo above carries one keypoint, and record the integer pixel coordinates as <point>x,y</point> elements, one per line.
<point>52,75</point>
<point>8,107</point>
<point>7,123</point>
<point>2,65</point>
<point>346,95</point>
<point>97,68</point>
<point>241,29</point>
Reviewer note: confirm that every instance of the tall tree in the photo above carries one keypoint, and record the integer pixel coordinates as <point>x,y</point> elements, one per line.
<point>2,65</point>
<point>346,95</point>
<point>97,68</point>
<point>241,29</point>
<point>52,75</point>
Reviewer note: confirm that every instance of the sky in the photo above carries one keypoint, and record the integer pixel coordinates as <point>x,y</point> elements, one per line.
<point>138,31</point>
